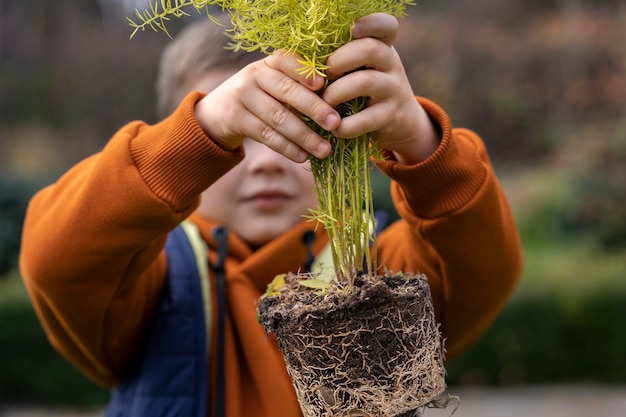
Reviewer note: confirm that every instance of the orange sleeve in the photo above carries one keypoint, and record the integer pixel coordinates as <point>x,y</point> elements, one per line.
<point>457,228</point>
<point>91,255</point>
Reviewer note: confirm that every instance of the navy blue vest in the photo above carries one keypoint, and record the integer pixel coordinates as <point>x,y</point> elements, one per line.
<point>170,374</point>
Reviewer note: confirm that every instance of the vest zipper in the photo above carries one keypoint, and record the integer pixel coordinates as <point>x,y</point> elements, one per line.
<point>220,235</point>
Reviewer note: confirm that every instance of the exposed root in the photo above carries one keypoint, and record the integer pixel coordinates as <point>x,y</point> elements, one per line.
<point>442,403</point>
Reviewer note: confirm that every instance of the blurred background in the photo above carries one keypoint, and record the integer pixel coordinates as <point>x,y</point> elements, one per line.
<point>544,83</point>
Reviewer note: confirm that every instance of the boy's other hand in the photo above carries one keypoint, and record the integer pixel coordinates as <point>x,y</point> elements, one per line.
<point>369,66</point>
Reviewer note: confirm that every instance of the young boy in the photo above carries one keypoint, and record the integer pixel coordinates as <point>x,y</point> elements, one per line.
<point>231,159</point>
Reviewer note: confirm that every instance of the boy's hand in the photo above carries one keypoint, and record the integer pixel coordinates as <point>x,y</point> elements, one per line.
<point>399,123</point>
<point>257,103</point>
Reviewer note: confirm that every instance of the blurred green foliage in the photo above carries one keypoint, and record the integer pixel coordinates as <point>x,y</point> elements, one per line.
<point>14,196</point>
<point>564,324</point>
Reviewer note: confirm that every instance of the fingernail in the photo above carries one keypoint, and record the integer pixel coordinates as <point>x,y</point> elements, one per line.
<point>323,149</point>
<point>301,155</point>
<point>332,121</point>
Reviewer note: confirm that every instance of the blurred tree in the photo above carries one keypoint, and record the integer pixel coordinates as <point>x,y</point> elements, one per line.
<point>61,66</point>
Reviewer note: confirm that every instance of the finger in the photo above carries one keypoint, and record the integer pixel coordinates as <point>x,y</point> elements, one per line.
<point>291,64</point>
<point>370,119</point>
<point>364,83</point>
<point>361,53</point>
<point>282,130</point>
<point>259,131</point>
<point>382,91</point>
<point>290,91</point>
<point>381,26</point>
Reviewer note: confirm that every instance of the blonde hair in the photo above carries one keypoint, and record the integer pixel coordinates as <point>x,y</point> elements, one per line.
<point>198,49</point>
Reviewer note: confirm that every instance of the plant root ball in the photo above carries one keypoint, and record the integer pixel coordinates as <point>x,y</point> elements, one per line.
<point>372,349</point>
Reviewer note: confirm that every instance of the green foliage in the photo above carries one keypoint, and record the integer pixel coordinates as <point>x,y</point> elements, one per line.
<point>313,29</point>
<point>578,194</point>
<point>14,196</point>
<point>565,324</point>
<point>596,176</point>
<point>533,342</point>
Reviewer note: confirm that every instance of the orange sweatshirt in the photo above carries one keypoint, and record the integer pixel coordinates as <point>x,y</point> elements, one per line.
<point>93,262</point>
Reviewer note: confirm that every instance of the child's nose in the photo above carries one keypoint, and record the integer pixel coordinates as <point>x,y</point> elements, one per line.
<point>262,159</point>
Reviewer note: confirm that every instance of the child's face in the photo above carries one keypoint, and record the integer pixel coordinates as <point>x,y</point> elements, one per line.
<point>264,195</point>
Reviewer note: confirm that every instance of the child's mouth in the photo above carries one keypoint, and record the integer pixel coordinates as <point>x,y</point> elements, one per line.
<point>269,200</point>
